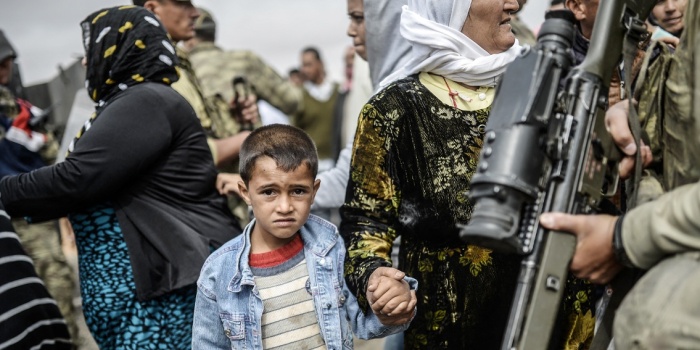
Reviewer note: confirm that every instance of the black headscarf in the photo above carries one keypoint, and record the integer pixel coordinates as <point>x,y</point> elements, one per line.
<point>125,46</point>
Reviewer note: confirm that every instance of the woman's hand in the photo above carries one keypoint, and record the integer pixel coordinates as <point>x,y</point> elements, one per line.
<point>390,297</point>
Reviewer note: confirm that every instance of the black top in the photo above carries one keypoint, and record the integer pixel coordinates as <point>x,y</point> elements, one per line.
<point>147,155</point>
<point>29,316</point>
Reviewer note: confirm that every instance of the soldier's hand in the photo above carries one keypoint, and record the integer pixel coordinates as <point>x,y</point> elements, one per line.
<point>246,111</point>
<point>618,126</point>
<point>594,258</point>
<point>671,41</point>
<point>227,184</point>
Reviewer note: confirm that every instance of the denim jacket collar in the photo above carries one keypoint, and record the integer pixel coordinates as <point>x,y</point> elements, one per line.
<point>318,235</point>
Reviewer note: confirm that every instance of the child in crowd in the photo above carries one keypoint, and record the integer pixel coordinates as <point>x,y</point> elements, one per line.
<point>280,283</point>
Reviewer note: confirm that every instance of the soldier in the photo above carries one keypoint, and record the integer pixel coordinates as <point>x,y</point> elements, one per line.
<point>223,131</point>
<point>23,148</point>
<point>223,126</point>
<point>216,68</point>
<point>661,310</point>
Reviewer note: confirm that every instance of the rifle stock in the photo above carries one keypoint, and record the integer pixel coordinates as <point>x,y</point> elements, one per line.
<point>546,149</point>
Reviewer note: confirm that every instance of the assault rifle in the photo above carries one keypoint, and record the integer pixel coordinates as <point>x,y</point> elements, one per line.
<point>546,149</point>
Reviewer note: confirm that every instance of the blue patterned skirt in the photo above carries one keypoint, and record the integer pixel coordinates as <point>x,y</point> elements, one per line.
<point>117,320</point>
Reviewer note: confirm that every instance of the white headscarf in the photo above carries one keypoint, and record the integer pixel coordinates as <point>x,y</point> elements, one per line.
<point>434,30</point>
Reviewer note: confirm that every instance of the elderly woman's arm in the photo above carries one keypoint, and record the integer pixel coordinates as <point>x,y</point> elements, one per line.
<point>370,212</point>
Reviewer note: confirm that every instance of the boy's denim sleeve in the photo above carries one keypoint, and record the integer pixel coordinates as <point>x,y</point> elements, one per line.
<point>207,329</point>
<point>368,326</point>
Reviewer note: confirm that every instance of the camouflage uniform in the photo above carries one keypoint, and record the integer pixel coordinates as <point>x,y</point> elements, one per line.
<point>42,241</point>
<point>662,310</point>
<point>214,115</point>
<point>216,69</point>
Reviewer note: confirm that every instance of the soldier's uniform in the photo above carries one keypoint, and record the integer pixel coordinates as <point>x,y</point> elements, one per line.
<point>662,311</point>
<point>216,68</point>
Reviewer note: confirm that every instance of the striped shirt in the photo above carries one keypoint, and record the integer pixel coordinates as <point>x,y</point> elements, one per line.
<point>29,317</point>
<point>289,318</point>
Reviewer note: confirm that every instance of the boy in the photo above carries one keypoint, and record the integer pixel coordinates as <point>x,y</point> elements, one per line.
<point>280,283</point>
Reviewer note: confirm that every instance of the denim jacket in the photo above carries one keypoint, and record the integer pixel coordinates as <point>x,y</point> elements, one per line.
<point>228,310</point>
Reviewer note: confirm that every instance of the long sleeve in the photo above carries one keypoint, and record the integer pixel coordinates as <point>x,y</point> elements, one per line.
<point>671,223</point>
<point>123,142</point>
<point>208,330</point>
<point>334,181</point>
<point>271,87</point>
<point>668,225</point>
<point>370,212</point>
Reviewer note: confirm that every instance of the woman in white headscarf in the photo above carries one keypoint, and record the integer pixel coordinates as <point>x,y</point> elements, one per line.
<point>416,147</point>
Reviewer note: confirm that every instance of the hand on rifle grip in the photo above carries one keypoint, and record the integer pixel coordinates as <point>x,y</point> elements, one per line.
<point>616,122</point>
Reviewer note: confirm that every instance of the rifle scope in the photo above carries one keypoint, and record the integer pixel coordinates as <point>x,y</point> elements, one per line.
<point>509,178</point>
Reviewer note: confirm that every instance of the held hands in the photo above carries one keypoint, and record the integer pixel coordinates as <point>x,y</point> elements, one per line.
<point>227,184</point>
<point>617,124</point>
<point>245,111</point>
<point>390,297</point>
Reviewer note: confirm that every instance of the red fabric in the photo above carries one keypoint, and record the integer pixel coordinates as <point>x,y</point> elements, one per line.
<point>277,256</point>
<point>21,121</point>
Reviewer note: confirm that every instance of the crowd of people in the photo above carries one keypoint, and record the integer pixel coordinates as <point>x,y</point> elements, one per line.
<point>216,203</point>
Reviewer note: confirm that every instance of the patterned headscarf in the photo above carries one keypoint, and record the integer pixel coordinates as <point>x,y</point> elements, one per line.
<point>125,46</point>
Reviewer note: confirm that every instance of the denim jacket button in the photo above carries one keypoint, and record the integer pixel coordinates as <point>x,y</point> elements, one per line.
<point>328,305</point>
<point>228,333</point>
<point>322,261</point>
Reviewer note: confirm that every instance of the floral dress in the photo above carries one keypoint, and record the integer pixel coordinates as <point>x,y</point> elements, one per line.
<point>413,160</point>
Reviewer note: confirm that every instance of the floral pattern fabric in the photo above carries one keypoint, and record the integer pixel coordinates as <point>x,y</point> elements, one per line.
<point>413,159</point>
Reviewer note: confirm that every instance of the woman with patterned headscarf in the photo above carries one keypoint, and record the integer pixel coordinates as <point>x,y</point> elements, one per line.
<point>416,148</point>
<point>138,186</point>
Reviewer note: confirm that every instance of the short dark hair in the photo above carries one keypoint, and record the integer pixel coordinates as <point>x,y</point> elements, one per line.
<point>139,2</point>
<point>557,2</point>
<point>314,51</point>
<point>288,145</point>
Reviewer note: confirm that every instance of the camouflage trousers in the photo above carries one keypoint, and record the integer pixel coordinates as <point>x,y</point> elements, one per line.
<point>41,242</point>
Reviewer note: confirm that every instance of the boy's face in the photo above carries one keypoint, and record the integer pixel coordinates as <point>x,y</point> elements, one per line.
<point>281,202</point>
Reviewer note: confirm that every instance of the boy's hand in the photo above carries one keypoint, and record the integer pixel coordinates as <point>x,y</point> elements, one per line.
<point>227,184</point>
<point>390,296</point>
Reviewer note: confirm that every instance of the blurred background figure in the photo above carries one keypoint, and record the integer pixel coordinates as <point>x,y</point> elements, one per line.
<point>522,32</point>
<point>226,122</point>
<point>556,5</point>
<point>24,146</point>
<point>321,97</point>
<point>216,68</point>
<point>223,129</point>
<point>667,18</point>
<point>295,77</point>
